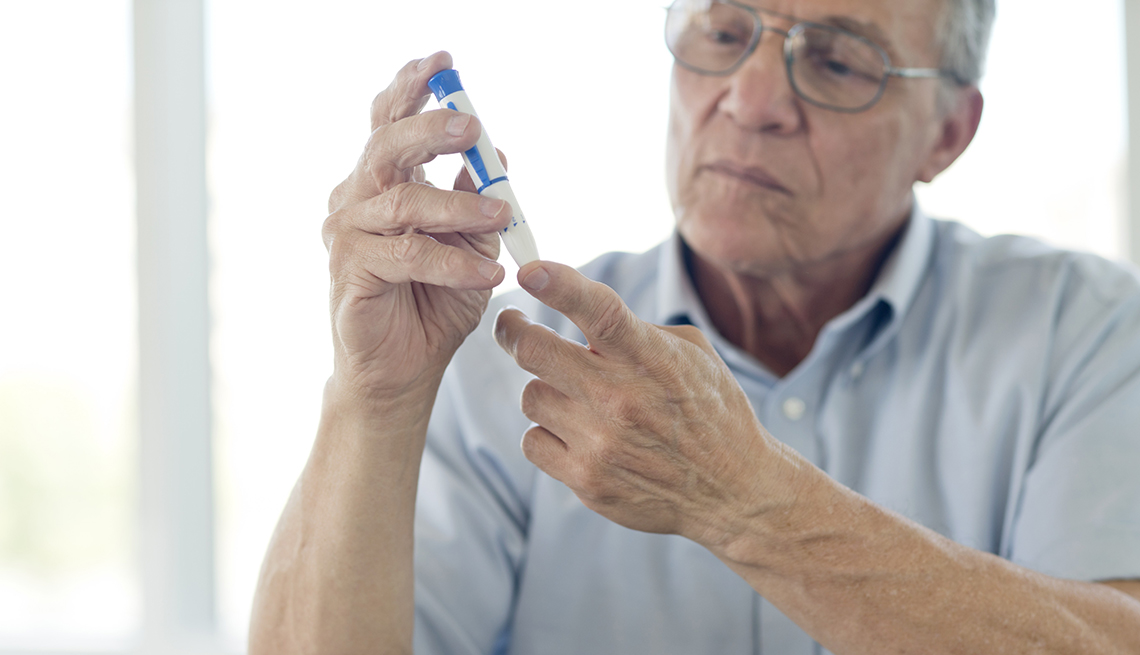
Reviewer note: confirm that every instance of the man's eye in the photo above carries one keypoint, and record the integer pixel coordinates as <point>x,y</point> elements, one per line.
<point>722,37</point>
<point>838,68</point>
<point>824,62</point>
<point>723,31</point>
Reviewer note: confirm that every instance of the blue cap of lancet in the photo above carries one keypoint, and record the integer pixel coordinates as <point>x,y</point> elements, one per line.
<point>445,83</point>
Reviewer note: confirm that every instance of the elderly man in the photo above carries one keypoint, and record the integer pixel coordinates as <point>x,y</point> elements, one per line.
<point>815,419</point>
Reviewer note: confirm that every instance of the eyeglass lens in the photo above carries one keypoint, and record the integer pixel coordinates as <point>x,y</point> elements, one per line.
<point>828,66</point>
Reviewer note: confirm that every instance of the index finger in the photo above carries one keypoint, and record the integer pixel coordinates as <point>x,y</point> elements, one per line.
<point>408,92</point>
<point>597,310</point>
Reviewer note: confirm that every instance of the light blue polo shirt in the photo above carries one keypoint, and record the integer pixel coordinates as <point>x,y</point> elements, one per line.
<point>988,389</point>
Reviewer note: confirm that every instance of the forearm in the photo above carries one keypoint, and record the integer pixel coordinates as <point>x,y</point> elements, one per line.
<point>338,575</point>
<point>863,580</point>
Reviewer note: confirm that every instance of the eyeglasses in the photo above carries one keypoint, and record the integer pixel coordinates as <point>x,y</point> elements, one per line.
<point>828,66</point>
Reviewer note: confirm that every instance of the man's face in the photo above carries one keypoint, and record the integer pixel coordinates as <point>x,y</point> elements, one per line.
<point>763,182</point>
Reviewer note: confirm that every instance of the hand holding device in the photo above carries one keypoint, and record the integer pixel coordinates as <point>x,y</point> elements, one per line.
<point>412,265</point>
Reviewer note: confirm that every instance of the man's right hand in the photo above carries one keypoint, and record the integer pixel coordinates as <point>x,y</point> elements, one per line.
<point>412,265</point>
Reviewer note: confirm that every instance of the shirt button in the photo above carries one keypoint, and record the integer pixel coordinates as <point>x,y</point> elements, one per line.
<point>794,409</point>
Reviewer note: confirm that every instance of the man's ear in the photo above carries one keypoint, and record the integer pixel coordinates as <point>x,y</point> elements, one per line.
<point>958,125</point>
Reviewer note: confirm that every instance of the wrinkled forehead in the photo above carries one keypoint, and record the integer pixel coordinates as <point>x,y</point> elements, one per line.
<point>907,29</point>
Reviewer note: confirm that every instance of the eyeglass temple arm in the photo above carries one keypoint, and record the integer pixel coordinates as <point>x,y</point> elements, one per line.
<point>922,72</point>
<point>915,72</point>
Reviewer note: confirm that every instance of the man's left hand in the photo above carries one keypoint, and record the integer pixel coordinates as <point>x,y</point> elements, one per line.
<point>646,424</point>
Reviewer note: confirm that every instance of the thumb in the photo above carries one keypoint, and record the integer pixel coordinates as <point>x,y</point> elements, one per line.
<point>597,310</point>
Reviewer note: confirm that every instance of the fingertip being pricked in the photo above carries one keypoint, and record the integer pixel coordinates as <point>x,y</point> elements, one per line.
<point>502,323</point>
<point>509,309</point>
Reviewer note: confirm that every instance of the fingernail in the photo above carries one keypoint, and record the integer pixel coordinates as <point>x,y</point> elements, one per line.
<point>491,208</point>
<point>423,63</point>
<point>458,124</point>
<point>536,280</point>
<point>489,269</point>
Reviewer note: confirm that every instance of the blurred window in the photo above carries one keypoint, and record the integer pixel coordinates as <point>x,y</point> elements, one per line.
<point>1050,157</point>
<point>67,327</point>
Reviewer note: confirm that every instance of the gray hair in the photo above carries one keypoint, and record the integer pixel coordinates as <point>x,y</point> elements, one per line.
<point>966,27</point>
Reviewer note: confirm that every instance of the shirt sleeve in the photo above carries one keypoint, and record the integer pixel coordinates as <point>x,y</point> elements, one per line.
<point>472,506</point>
<point>1079,512</point>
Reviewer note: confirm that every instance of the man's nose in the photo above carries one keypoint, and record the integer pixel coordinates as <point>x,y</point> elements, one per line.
<point>760,95</point>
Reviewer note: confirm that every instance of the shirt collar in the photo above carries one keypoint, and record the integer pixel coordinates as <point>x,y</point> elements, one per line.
<point>897,283</point>
<point>677,300</point>
<point>901,275</point>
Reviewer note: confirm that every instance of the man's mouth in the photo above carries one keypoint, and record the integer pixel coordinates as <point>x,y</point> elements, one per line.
<point>751,174</point>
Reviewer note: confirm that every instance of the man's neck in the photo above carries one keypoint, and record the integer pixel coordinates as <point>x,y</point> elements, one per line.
<point>777,317</point>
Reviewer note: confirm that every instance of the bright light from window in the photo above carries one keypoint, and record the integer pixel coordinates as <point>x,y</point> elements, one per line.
<point>1050,156</point>
<point>67,337</point>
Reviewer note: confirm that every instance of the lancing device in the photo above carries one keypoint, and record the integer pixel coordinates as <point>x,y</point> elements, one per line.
<point>486,170</point>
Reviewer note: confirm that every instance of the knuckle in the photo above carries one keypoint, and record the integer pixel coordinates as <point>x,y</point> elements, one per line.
<point>445,259</point>
<point>627,410</point>
<point>329,230</point>
<point>694,336</point>
<point>372,148</point>
<point>376,149</point>
<point>337,197</point>
<point>530,349</point>
<point>458,204</point>
<point>382,102</point>
<point>610,319</point>
<point>379,103</point>
<point>406,76</point>
<point>397,201</point>
<point>424,128</point>
<point>382,158</point>
<point>593,479</point>
<point>610,455</point>
<point>689,333</point>
<point>408,248</point>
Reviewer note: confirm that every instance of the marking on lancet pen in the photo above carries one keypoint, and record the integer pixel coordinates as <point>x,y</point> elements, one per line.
<point>485,169</point>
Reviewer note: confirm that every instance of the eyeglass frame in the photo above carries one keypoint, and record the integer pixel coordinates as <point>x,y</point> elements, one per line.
<point>758,30</point>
